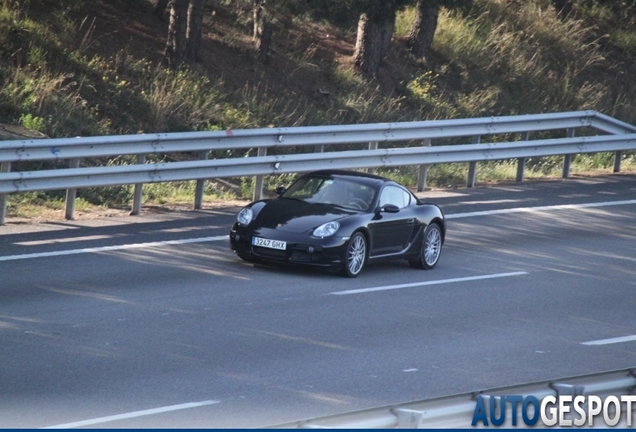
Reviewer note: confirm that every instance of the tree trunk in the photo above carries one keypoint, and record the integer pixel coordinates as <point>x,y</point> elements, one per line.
<point>264,42</point>
<point>373,40</point>
<point>160,8</point>
<point>257,17</point>
<point>175,51</point>
<point>422,31</point>
<point>195,29</point>
<point>262,31</point>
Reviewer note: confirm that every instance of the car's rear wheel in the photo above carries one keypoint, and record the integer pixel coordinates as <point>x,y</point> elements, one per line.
<point>431,248</point>
<point>355,255</point>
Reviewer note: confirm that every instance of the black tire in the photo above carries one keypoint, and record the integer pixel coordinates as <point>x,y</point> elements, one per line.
<point>431,248</point>
<point>355,255</point>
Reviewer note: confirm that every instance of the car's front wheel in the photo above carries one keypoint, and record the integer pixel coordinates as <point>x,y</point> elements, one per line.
<point>355,255</point>
<point>431,248</point>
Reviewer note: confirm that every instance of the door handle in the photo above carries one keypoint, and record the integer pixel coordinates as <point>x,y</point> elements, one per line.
<point>410,221</point>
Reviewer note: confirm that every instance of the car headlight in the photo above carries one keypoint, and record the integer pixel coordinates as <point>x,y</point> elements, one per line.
<point>244,217</point>
<point>326,230</point>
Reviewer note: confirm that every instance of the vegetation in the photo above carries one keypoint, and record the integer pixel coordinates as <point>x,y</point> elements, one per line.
<point>65,71</point>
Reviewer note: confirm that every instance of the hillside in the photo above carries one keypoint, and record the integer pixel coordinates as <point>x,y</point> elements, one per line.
<point>79,67</point>
<point>91,67</point>
<point>309,67</point>
<point>304,61</point>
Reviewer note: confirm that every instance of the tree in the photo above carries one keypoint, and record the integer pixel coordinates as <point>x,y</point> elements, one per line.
<point>175,51</point>
<point>263,30</point>
<point>262,15</point>
<point>194,29</point>
<point>184,32</point>
<point>424,25</point>
<point>375,29</point>
<point>422,31</point>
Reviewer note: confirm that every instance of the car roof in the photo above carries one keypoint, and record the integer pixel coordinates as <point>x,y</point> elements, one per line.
<point>370,178</point>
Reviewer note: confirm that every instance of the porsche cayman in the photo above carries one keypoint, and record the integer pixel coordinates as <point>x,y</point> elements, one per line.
<point>342,220</point>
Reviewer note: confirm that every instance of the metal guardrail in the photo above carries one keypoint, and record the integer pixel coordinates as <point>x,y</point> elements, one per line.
<point>74,149</point>
<point>457,411</point>
<point>70,148</point>
<point>261,165</point>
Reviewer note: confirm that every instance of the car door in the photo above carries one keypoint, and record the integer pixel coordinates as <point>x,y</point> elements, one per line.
<point>391,232</point>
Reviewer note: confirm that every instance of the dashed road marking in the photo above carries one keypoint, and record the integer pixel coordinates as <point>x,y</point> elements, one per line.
<point>435,282</point>
<point>111,248</point>
<point>134,414</point>
<point>611,340</point>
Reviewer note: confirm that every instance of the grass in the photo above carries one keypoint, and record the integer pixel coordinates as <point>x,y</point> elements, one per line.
<point>497,58</point>
<point>455,175</point>
<point>517,57</point>
<point>35,205</point>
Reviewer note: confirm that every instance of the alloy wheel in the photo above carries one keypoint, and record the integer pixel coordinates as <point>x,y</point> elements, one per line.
<point>432,245</point>
<point>356,255</point>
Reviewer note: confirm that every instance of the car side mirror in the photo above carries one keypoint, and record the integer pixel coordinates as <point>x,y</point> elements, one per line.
<point>389,208</point>
<point>280,190</point>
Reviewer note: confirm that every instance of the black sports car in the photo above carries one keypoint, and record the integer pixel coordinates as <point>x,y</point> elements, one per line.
<point>343,220</point>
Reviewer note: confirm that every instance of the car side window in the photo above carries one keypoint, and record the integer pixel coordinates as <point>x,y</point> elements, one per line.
<point>396,196</point>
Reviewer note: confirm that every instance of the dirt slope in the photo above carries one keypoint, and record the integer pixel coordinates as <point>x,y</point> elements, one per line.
<point>301,62</point>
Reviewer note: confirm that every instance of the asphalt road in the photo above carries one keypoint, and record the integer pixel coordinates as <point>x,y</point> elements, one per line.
<point>151,321</point>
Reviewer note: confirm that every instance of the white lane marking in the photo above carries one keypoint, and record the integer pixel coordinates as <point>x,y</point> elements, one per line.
<point>134,414</point>
<point>112,248</point>
<point>611,340</point>
<point>61,240</point>
<point>435,282</point>
<point>538,209</point>
<point>220,238</point>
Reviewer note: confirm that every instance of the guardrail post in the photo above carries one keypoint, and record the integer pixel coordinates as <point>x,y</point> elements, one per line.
<point>138,192</point>
<point>618,156</point>
<point>71,195</point>
<point>258,180</point>
<point>521,162</point>
<point>472,167</point>
<point>423,174</point>
<point>373,145</point>
<point>200,188</point>
<point>567,159</point>
<point>4,167</point>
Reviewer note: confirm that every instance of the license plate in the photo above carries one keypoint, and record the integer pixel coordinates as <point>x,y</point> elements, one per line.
<point>267,243</point>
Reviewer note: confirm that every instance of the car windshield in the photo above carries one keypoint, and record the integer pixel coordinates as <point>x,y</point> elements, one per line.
<point>336,191</point>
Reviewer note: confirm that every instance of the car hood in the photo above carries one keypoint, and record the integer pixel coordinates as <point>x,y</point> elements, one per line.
<point>297,216</point>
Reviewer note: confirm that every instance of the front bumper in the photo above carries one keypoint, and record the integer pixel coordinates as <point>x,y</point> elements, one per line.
<point>301,249</point>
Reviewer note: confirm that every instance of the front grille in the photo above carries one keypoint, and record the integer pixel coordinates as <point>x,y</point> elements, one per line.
<point>269,253</point>
<point>302,256</point>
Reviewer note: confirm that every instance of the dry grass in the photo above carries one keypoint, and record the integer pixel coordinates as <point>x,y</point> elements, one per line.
<point>94,72</point>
